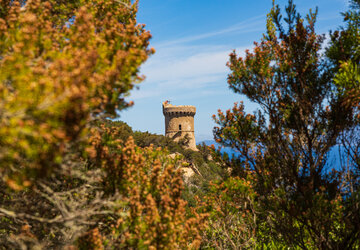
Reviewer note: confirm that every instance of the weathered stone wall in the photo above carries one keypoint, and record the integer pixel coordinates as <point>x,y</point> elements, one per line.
<point>179,121</point>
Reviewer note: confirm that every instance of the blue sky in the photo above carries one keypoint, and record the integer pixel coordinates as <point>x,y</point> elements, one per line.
<point>192,40</point>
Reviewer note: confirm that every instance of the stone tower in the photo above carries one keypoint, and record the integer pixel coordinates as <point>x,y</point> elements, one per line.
<point>179,121</point>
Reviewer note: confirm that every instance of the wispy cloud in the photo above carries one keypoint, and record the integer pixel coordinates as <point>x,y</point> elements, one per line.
<point>205,62</point>
<point>179,66</point>
<point>246,26</point>
<point>177,70</point>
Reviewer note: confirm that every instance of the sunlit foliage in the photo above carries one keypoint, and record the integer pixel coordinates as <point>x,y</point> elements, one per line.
<point>151,212</point>
<point>63,63</point>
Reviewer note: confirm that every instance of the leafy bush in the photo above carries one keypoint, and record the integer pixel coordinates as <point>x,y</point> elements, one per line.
<point>63,63</point>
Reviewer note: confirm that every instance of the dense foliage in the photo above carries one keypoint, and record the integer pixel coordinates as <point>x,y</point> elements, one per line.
<point>62,64</point>
<point>303,200</point>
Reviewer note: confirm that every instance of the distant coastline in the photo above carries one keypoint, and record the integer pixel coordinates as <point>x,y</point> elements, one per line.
<point>335,158</point>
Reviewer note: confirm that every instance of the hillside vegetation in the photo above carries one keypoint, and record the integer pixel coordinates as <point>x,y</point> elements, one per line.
<point>203,168</point>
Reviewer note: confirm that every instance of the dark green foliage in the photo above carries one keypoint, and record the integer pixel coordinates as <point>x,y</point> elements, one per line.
<point>345,40</point>
<point>145,139</point>
<point>125,131</point>
<point>344,54</point>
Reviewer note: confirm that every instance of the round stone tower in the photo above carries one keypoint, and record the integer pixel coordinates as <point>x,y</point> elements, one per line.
<point>179,122</point>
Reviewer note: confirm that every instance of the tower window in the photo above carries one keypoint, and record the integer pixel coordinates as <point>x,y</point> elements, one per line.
<point>179,126</point>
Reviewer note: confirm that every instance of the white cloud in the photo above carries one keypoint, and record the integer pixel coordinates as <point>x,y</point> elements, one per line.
<point>203,63</point>
<point>175,70</point>
<point>139,94</point>
<point>179,66</point>
<point>246,26</point>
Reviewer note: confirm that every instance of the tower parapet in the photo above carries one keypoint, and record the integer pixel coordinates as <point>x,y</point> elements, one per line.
<point>179,122</point>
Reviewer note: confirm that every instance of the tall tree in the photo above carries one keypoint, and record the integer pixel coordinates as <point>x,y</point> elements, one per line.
<point>285,145</point>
